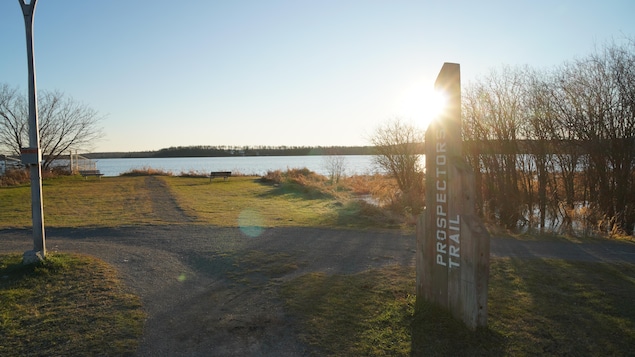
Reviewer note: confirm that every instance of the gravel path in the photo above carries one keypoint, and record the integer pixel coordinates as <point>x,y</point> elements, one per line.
<point>180,272</point>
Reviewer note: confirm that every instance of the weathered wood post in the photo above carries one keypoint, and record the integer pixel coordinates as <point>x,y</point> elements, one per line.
<point>452,244</point>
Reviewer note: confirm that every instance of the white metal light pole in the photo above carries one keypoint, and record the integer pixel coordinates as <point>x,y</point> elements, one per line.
<point>31,156</point>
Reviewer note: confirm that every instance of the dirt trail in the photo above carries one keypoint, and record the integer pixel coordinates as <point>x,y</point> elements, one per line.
<point>164,204</point>
<point>190,279</point>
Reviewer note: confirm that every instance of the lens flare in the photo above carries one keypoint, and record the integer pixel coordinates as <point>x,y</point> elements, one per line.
<point>250,223</point>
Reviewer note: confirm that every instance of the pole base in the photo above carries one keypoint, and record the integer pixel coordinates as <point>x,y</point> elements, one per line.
<point>32,257</point>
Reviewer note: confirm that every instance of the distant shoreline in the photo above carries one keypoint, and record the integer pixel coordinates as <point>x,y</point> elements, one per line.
<point>208,151</point>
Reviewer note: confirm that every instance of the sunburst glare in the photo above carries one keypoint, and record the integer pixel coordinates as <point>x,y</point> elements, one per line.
<point>421,103</point>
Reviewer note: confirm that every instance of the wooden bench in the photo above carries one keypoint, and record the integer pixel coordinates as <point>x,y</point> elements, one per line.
<point>223,174</point>
<point>86,173</point>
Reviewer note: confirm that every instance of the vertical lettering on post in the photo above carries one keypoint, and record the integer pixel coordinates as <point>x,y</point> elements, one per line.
<point>453,256</point>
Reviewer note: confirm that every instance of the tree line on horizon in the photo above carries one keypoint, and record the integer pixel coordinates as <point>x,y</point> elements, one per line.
<point>233,151</point>
<point>225,151</point>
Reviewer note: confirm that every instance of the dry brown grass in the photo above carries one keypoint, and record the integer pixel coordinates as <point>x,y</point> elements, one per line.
<point>381,188</point>
<point>372,195</point>
<point>302,180</point>
<point>147,171</point>
<point>14,178</point>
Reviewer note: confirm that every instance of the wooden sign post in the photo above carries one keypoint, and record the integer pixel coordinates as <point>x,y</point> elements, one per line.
<point>452,243</point>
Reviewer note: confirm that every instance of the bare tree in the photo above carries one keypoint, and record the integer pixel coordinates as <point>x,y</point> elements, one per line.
<point>13,120</point>
<point>65,123</point>
<point>493,114</point>
<point>577,156</point>
<point>541,131</point>
<point>599,108</point>
<point>335,165</point>
<point>399,146</point>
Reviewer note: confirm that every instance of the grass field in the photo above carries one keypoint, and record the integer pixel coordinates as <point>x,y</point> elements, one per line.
<point>118,201</point>
<point>75,202</point>
<point>225,203</point>
<point>247,201</point>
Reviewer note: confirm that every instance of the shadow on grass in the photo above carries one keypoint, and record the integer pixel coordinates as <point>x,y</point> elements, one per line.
<point>13,269</point>
<point>540,307</point>
<point>360,214</point>
<point>295,191</point>
<point>436,333</point>
<point>247,267</point>
<point>213,263</point>
<point>565,307</point>
<point>536,307</point>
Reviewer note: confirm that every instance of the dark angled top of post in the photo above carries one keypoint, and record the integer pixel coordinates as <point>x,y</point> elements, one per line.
<point>27,6</point>
<point>28,9</point>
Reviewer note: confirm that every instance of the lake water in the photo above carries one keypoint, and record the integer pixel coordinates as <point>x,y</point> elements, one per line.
<point>248,165</point>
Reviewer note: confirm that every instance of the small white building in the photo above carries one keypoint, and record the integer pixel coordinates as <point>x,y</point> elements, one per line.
<point>7,163</point>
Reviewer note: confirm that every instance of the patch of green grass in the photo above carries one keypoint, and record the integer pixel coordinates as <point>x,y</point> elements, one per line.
<point>253,267</point>
<point>536,307</point>
<point>112,201</point>
<point>15,210</point>
<point>243,201</point>
<point>366,314</point>
<point>271,265</point>
<point>71,201</point>
<point>64,305</point>
<point>247,202</point>
<point>563,308</point>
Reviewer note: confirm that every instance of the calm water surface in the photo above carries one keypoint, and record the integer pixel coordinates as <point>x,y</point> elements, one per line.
<point>248,165</point>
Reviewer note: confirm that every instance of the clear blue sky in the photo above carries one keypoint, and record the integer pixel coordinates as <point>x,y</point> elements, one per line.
<point>293,72</point>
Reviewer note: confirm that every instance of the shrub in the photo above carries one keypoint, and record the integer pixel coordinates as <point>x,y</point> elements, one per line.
<point>380,188</point>
<point>301,180</point>
<point>192,173</point>
<point>304,177</point>
<point>274,177</point>
<point>57,171</point>
<point>15,177</point>
<point>146,171</point>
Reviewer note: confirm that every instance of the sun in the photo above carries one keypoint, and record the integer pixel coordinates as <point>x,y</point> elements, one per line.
<point>421,103</point>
